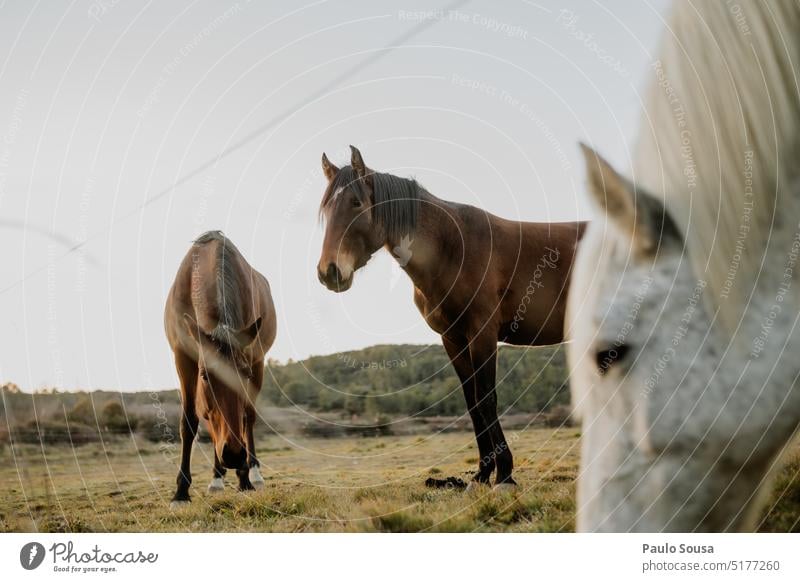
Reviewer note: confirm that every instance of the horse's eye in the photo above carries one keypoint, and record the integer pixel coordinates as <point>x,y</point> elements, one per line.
<point>609,357</point>
<point>204,375</point>
<point>356,202</point>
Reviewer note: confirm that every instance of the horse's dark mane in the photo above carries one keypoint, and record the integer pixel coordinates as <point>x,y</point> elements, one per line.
<point>396,207</point>
<point>229,307</point>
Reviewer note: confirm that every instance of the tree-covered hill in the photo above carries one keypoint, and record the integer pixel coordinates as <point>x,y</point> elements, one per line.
<point>317,396</point>
<point>413,380</point>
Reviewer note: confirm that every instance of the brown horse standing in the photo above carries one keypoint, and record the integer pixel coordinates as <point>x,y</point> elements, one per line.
<point>220,323</point>
<point>478,279</point>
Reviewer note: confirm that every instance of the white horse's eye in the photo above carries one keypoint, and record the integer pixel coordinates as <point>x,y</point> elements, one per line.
<point>609,357</point>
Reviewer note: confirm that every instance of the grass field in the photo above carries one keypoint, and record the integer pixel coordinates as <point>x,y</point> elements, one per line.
<point>312,485</point>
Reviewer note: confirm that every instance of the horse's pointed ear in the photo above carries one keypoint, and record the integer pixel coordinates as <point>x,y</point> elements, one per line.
<point>328,168</point>
<point>246,336</point>
<point>357,163</point>
<point>191,327</point>
<point>633,211</point>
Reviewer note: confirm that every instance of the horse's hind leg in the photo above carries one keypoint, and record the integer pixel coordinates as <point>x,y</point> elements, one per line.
<point>187,373</point>
<point>460,358</point>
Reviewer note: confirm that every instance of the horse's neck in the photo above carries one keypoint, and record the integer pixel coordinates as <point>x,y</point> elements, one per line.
<point>422,254</point>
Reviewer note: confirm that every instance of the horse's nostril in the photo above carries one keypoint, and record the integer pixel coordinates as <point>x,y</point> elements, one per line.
<point>334,276</point>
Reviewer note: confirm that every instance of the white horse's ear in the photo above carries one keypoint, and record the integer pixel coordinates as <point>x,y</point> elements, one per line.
<point>328,168</point>
<point>636,213</point>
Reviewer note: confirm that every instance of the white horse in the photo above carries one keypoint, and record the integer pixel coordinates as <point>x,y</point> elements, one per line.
<point>685,299</point>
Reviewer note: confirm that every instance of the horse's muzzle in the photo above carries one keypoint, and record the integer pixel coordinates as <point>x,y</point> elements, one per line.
<point>333,280</point>
<point>234,460</point>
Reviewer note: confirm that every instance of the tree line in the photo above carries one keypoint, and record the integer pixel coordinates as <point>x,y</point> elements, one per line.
<point>367,386</point>
<point>414,380</point>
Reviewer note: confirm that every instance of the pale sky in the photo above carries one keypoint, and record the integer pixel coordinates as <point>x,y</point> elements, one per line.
<point>105,104</point>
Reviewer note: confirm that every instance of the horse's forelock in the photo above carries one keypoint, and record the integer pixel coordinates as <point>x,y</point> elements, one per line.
<point>396,200</point>
<point>346,177</point>
<point>224,342</point>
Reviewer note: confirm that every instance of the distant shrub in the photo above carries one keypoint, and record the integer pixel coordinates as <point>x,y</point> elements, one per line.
<point>10,388</point>
<point>382,427</point>
<point>262,429</point>
<point>83,412</point>
<point>558,416</point>
<point>159,428</point>
<point>114,419</point>
<point>53,432</point>
<point>322,430</point>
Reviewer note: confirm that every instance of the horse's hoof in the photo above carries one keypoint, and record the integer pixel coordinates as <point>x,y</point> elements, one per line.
<point>216,486</point>
<point>475,486</point>
<point>256,479</point>
<point>502,488</point>
<point>179,504</point>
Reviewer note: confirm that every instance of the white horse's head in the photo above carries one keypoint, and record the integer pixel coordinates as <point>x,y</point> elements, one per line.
<point>682,422</point>
<point>685,299</point>
<point>639,329</point>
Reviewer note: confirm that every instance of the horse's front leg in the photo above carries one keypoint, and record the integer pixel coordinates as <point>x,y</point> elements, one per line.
<point>457,349</point>
<point>243,471</point>
<point>483,353</point>
<point>187,373</point>
<point>256,479</point>
<point>217,484</point>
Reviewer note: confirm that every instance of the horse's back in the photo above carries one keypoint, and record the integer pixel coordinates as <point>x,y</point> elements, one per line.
<point>196,292</point>
<point>511,275</point>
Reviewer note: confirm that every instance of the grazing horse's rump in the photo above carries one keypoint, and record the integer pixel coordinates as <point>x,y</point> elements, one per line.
<point>220,322</point>
<point>478,279</point>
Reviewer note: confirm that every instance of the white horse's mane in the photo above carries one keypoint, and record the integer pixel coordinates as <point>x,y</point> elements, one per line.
<point>719,139</point>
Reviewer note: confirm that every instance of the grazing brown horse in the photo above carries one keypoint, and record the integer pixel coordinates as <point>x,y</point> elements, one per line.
<point>478,279</point>
<point>220,323</point>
